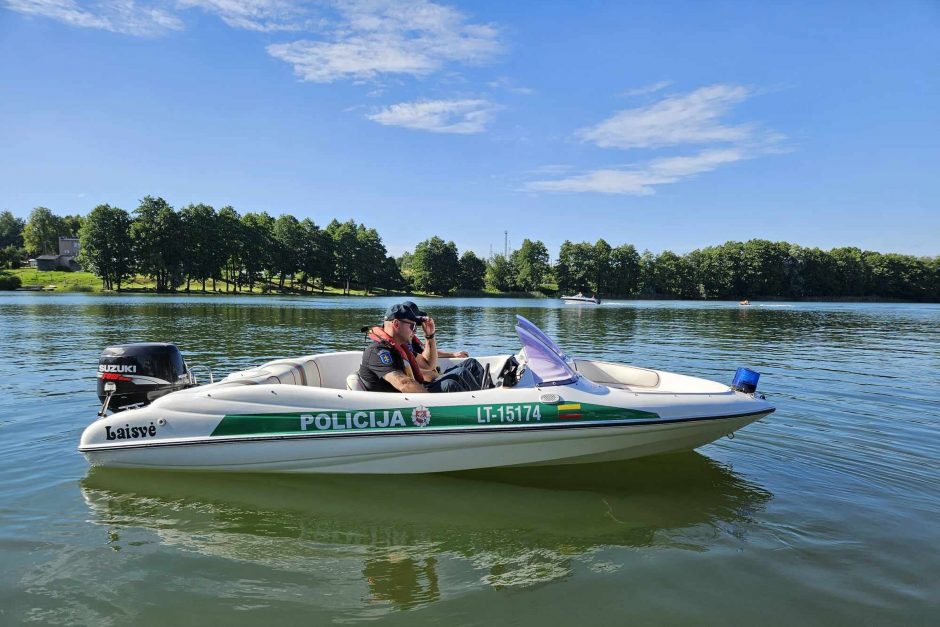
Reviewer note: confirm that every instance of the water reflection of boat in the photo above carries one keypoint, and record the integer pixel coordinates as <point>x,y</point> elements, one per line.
<point>384,541</point>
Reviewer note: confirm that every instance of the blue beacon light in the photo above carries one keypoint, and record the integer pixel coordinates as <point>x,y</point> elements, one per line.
<point>745,380</point>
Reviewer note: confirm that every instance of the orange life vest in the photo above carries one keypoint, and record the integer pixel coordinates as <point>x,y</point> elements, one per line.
<point>378,334</point>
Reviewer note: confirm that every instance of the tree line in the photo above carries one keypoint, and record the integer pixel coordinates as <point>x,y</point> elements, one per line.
<point>201,245</point>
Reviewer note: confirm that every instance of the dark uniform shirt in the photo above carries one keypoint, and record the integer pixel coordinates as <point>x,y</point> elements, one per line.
<point>377,361</point>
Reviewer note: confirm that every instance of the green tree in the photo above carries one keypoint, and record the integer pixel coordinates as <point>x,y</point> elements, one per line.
<point>896,276</point>
<point>11,230</point>
<point>602,268</point>
<point>258,242</point>
<point>933,279</point>
<point>562,270</point>
<point>767,267</point>
<point>71,225</point>
<point>647,273</point>
<point>390,277</point>
<point>435,266</point>
<point>42,230</point>
<point>106,248</point>
<point>156,234</point>
<point>9,281</point>
<point>405,262</point>
<point>850,271</point>
<point>472,272</point>
<point>203,245</point>
<point>288,237</point>
<point>500,274</point>
<point>11,240</point>
<point>672,276</point>
<point>624,270</point>
<point>231,237</point>
<point>815,273</point>
<point>370,257</point>
<point>530,264</point>
<point>10,256</point>
<point>316,254</point>
<point>345,245</point>
<point>575,270</point>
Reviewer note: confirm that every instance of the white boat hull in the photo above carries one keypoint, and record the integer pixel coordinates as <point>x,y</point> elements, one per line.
<point>426,451</point>
<point>574,300</point>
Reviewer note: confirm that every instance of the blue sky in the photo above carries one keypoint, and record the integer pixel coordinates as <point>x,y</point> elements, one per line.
<point>668,125</point>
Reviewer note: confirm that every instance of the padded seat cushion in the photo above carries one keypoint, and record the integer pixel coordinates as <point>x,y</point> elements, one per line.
<point>607,373</point>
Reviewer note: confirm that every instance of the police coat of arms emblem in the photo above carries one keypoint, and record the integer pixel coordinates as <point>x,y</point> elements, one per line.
<point>421,416</point>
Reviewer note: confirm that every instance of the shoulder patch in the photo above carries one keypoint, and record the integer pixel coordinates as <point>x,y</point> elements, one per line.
<point>385,357</point>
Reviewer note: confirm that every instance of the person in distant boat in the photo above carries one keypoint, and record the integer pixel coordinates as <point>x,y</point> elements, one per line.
<point>389,363</point>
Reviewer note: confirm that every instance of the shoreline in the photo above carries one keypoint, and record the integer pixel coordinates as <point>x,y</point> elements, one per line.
<point>84,282</point>
<point>505,295</point>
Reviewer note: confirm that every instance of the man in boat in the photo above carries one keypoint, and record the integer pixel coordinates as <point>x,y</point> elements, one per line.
<point>428,352</point>
<point>389,363</point>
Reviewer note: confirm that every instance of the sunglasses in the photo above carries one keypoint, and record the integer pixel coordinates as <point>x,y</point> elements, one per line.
<point>412,325</point>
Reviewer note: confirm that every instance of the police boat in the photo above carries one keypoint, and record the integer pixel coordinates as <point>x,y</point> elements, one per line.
<point>311,415</point>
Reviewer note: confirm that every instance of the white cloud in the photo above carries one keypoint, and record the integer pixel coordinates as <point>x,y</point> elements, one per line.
<point>648,89</point>
<point>439,116</point>
<point>118,16</point>
<point>153,17</point>
<point>641,181</point>
<point>356,39</point>
<point>551,168</point>
<point>686,119</point>
<point>378,37</point>
<point>259,15</point>
<point>504,82</point>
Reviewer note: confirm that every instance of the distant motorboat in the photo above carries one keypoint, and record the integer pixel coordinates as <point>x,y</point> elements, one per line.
<point>744,302</point>
<point>581,299</point>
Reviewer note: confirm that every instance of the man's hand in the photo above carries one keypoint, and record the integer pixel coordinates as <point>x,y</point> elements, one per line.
<point>428,326</point>
<point>403,383</point>
<point>461,354</point>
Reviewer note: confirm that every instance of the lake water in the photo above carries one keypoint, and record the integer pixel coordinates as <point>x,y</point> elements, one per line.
<point>824,513</point>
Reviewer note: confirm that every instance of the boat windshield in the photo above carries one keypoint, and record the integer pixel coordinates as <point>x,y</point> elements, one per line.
<point>537,332</point>
<point>543,361</point>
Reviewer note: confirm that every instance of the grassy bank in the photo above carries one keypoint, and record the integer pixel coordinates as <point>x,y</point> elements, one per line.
<point>88,282</point>
<point>62,280</point>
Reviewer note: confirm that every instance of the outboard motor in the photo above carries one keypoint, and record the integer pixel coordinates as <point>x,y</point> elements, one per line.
<point>134,375</point>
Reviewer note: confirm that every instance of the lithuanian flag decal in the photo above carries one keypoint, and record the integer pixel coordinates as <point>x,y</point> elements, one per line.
<point>569,411</point>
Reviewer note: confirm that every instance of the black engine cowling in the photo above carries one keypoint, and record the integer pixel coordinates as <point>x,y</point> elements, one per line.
<point>141,373</point>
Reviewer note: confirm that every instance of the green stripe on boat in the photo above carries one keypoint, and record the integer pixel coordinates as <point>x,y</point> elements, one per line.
<point>420,418</point>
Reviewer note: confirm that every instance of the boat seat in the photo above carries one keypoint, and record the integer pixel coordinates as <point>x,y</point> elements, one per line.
<point>330,370</point>
<point>284,371</point>
<point>353,382</point>
<point>606,373</point>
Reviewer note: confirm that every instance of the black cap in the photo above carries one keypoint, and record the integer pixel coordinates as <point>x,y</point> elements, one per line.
<point>420,315</point>
<point>401,312</point>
